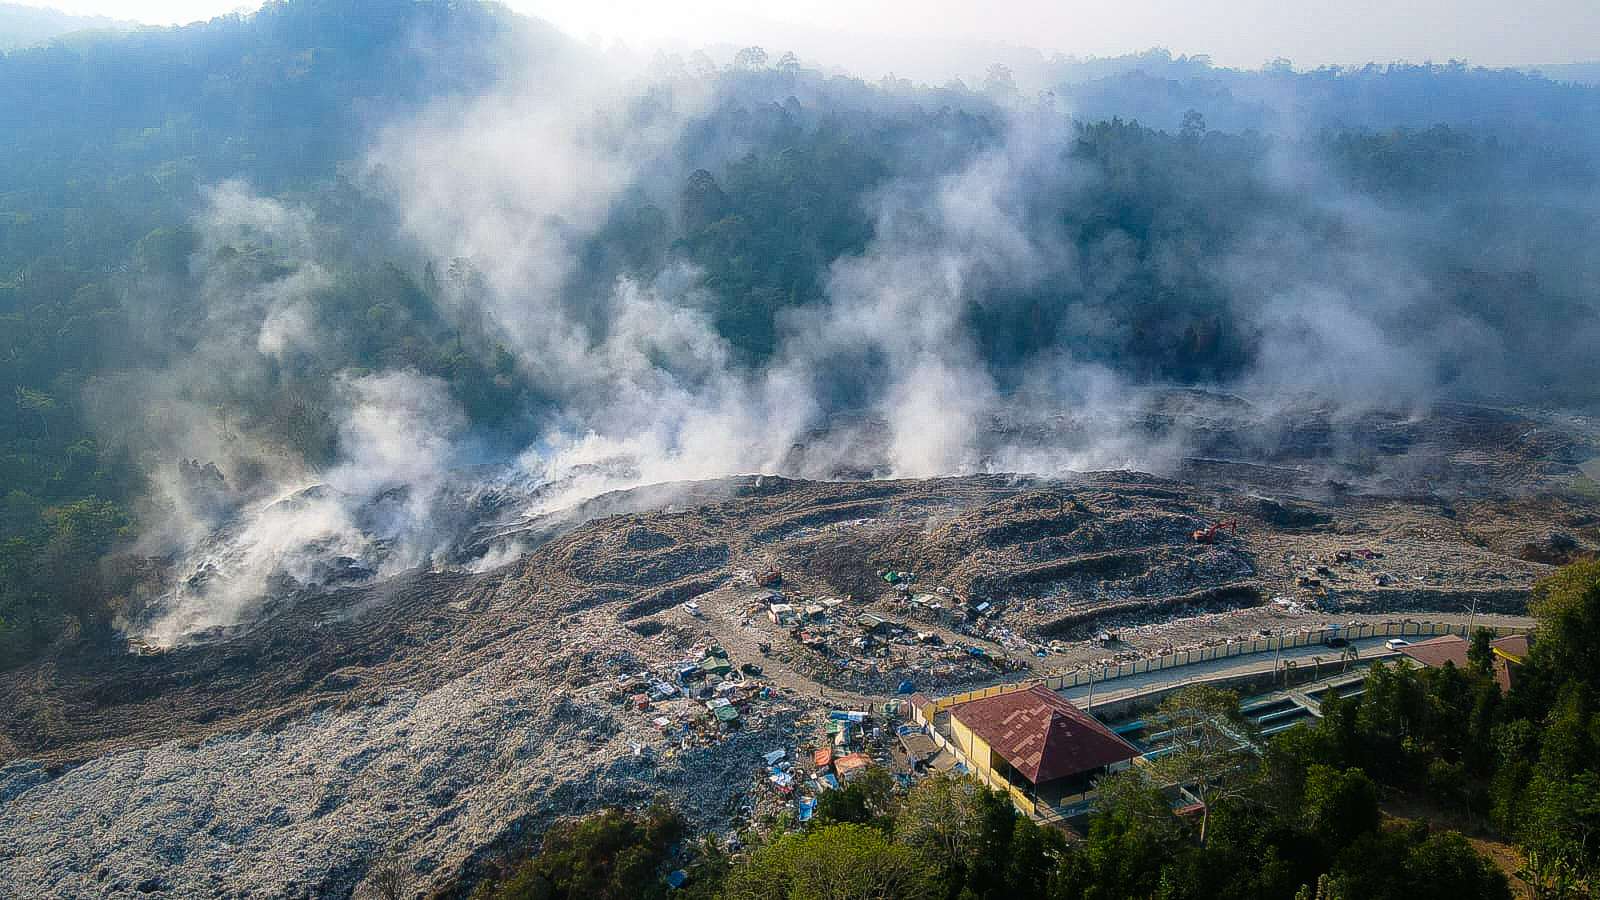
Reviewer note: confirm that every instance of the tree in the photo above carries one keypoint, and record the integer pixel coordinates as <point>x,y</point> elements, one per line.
<point>1026,864</point>
<point>1324,890</point>
<point>973,836</point>
<point>613,855</point>
<point>1131,796</point>
<point>1388,714</point>
<point>1445,867</point>
<point>940,816</point>
<point>38,403</point>
<point>750,59</point>
<point>1338,806</point>
<point>1132,835</point>
<point>1372,866</point>
<point>1193,127</point>
<point>836,862</point>
<point>81,533</point>
<point>866,800</point>
<point>20,591</point>
<point>999,83</point>
<point>1480,655</point>
<point>1567,605</point>
<point>1212,746</point>
<point>703,201</point>
<point>388,879</point>
<point>1562,831</point>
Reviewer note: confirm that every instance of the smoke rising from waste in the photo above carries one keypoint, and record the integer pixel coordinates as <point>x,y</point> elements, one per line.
<point>986,324</point>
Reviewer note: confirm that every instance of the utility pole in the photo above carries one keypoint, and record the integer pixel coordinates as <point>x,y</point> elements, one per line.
<point>1471,616</point>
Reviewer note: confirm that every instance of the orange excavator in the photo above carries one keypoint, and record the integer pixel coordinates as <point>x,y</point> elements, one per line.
<point>1209,535</point>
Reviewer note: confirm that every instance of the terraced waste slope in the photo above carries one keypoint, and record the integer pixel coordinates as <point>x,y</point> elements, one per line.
<point>446,715</point>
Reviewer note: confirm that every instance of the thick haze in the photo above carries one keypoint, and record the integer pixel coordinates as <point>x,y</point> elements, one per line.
<point>932,39</point>
<point>681,268</point>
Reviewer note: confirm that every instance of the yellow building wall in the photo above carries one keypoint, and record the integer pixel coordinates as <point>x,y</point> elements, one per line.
<point>979,758</point>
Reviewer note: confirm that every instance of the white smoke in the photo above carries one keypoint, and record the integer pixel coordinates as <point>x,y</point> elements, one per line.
<point>500,192</point>
<point>374,514</point>
<point>633,383</point>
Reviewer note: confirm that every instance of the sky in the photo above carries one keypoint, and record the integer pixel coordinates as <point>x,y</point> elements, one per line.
<point>1243,33</point>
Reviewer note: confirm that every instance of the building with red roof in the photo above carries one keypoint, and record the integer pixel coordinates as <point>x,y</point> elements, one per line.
<point>1036,742</point>
<point>1509,653</point>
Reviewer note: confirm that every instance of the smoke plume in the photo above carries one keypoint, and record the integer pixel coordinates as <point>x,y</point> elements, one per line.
<point>1003,315</point>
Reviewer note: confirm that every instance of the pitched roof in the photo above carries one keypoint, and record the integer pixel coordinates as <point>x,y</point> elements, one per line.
<point>1440,650</point>
<point>1453,648</point>
<point>1505,673</point>
<point>1513,645</point>
<point>1509,651</point>
<point>1042,735</point>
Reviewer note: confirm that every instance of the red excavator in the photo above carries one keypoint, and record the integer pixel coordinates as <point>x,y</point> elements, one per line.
<point>1209,535</point>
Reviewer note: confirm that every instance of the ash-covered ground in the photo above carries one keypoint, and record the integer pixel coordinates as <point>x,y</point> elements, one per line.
<point>445,714</point>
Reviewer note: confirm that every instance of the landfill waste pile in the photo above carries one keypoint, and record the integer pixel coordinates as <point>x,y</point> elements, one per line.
<point>743,645</point>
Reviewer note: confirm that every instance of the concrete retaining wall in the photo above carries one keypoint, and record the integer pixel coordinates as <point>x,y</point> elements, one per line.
<point>1101,674</point>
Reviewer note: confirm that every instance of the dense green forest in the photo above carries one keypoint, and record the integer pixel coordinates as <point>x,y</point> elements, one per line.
<point>1163,239</point>
<point>1303,817</point>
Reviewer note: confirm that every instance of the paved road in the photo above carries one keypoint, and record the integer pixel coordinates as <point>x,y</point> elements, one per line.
<point>1249,664</point>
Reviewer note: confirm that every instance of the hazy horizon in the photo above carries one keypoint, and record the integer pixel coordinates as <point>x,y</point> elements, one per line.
<point>945,38</point>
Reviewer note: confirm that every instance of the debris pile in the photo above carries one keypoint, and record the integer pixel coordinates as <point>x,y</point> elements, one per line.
<point>636,648</point>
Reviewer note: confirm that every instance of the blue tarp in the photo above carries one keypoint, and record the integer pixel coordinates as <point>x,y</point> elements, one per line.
<point>906,687</point>
<point>677,878</point>
<point>807,807</point>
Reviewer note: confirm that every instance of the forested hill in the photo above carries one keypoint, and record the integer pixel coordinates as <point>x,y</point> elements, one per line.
<point>111,141</point>
<point>1157,88</point>
<point>127,125</point>
<point>166,194</point>
<point>25,26</point>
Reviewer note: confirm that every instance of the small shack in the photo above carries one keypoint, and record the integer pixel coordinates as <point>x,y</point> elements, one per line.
<point>874,625</point>
<point>851,766</point>
<point>919,748</point>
